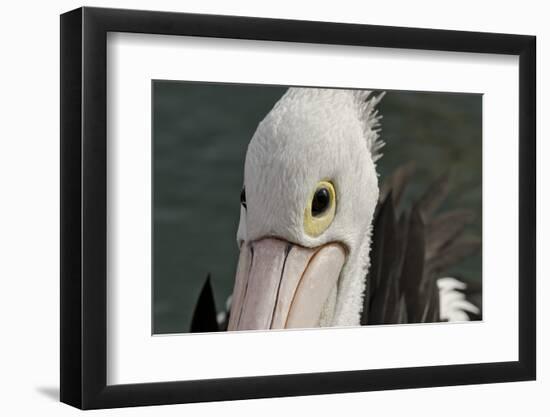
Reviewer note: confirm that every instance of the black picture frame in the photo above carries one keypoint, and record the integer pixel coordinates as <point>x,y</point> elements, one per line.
<point>84,223</point>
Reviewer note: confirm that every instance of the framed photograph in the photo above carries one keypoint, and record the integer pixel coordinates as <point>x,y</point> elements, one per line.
<point>258,208</point>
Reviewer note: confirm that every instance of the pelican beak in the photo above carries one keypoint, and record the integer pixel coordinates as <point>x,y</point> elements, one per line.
<point>280,285</point>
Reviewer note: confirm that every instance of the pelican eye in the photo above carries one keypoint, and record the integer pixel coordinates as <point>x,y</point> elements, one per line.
<point>320,202</point>
<point>243,198</point>
<point>321,209</point>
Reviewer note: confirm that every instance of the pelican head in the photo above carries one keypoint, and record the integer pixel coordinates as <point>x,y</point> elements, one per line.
<point>309,195</point>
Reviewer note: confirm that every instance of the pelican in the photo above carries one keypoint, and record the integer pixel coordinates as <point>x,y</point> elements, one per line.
<point>320,244</point>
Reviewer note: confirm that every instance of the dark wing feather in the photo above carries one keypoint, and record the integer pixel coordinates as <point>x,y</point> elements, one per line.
<point>409,255</point>
<point>454,252</point>
<point>204,316</point>
<point>433,197</point>
<point>445,228</point>
<point>412,273</point>
<point>397,182</point>
<point>384,275</point>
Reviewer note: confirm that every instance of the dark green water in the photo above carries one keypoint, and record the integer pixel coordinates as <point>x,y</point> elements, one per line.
<point>200,135</point>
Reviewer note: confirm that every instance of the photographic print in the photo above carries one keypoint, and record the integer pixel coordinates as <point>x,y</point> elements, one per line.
<point>280,207</point>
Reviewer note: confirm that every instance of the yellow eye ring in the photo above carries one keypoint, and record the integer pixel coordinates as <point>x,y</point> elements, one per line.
<point>321,208</point>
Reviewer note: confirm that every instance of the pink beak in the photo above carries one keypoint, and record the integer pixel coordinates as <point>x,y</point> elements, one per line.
<point>280,285</point>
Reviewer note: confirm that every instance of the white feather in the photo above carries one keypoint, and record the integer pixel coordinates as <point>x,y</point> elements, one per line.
<point>453,305</point>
